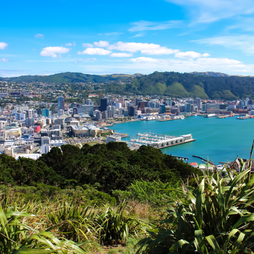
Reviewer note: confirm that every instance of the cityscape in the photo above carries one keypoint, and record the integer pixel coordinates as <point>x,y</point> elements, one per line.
<point>126,127</point>
<point>30,126</point>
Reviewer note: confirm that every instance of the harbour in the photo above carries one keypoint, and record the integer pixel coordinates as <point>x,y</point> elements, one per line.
<point>216,139</point>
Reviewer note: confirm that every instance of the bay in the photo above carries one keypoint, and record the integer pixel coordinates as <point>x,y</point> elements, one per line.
<point>219,139</point>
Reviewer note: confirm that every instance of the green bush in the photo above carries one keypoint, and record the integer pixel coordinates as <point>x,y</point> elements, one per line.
<point>156,193</point>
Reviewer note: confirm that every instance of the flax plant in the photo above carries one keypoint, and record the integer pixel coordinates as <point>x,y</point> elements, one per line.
<point>19,234</point>
<point>216,217</point>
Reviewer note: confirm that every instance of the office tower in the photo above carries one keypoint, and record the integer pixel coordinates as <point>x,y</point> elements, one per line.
<point>60,102</point>
<point>103,104</point>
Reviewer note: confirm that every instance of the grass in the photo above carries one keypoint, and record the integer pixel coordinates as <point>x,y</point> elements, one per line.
<point>68,225</point>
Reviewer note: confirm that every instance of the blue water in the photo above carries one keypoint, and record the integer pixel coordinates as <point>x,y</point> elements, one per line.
<point>220,139</point>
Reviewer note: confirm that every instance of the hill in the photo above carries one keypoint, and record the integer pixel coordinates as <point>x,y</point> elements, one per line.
<point>211,74</point>
<point>206,85</point>
<point>69,77</point>
<point>176,84</point>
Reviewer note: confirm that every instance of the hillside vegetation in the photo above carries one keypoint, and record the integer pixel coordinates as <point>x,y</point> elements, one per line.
<point>108,199</point>
<point>173,84</point>
<point>192,85</point>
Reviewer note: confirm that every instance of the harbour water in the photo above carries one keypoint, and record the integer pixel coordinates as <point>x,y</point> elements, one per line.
<point>219,139</point>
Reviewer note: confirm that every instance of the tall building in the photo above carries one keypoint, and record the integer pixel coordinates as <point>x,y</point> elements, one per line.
<point>103,104</point>
<point>60,102</point>
<point>45,112</point>
<point>131,110</point>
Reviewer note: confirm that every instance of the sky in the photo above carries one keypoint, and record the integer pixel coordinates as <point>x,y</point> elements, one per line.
<point>141,36</point>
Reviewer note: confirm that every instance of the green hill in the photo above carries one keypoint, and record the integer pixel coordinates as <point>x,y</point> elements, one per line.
<point>204,85</point>
<point>69,77</point>
<point>192,85</point>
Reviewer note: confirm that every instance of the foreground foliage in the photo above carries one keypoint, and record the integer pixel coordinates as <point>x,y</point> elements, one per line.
<point>216,217</point>
<point>104,167</point>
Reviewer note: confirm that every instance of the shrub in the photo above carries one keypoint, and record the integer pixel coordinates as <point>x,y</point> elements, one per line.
<point>216,217</point>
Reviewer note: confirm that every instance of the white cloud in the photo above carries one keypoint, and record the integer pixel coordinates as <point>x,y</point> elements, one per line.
<point>159,51</point>
<point>147,65</point>
<point>101,44</point>
<point>3,45</point>
<point>144,60</point>
<point>4,60</point>
<point>190,55</point>
<point>121,55</point>
<point>68,44</point>
<point>206,55</point>
<point>144,48</point>
<point>147,25</point>
<point>54,51</point>
<point>95,51</point>
<point>241,42</point>
<point>211,11</point>
<point>38,35</point>
<point>87,45</point>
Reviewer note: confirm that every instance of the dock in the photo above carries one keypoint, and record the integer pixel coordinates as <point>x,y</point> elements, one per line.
<point>203,159</point>
<point>159,140</point>
<point>122,135</point>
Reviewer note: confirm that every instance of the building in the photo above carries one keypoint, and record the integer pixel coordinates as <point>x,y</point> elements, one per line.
<point>84,131</point>
<point>105,115</point>
<point>45,140</point>
<point>212,108</point>
<point>113,138</point>
<point>45,149</point>
<point>131,110</point>
<point>60,102</point>
<point>103,104</point>
<point>45,112</point>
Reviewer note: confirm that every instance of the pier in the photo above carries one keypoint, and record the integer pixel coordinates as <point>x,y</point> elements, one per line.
<point>159,140</point>
<point>203,159</point>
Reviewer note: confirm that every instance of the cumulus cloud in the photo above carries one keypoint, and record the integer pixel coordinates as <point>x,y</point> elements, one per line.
<point>4,60</point>
<point>144,48</point>
<point>190,55</point>
<point>121,55</point>
<point>95,51</point>
<point>159,51</point>
<point>101,44</point>
<point>144,60</point>
<point>38,35</point>
<point>151,26</point>
<point>54,51</point>
<point>3,45</point>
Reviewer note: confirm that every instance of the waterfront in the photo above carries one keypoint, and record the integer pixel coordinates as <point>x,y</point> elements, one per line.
<point>220,139</point>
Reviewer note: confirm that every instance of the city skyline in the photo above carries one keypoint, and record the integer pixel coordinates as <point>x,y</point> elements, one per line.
<point>130,37</point>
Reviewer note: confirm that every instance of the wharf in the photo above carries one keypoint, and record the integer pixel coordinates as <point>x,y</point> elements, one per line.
<point>159,140</point>
<point>203,159</point>
<point>121,135</point>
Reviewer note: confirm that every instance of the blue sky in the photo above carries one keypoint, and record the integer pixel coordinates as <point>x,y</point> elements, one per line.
<point>105,37</point>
